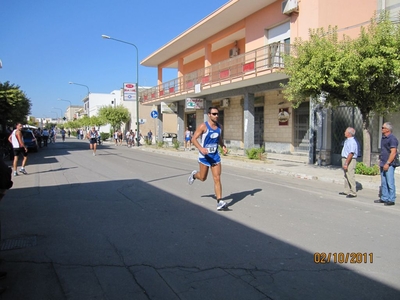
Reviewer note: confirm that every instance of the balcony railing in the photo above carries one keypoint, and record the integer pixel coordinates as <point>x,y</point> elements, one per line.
<point>251,64</point>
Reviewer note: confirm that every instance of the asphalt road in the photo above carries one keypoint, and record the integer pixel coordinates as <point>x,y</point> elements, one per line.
<point>126,225</point>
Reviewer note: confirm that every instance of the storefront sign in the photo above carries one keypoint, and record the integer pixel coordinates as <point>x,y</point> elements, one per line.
<point>283,116</point>
<point>129,91</point>
<point>194,103</point>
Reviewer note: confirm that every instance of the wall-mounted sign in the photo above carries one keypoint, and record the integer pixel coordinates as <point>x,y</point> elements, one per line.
<point>129,91</point>
<point>194,103</point>
<point>283,116</point>
<point>168,108</point>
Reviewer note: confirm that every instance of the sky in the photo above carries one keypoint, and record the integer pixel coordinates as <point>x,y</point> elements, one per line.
<point>45,44</point>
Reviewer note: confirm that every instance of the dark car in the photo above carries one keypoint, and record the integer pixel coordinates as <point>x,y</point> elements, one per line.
<point>30,140</point>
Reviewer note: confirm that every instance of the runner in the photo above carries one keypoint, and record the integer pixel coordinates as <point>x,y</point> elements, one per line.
<point>92,135</point>
<point>210,134</point>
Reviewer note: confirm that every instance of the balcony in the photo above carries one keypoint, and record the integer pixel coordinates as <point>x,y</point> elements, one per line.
<point>241,70</point>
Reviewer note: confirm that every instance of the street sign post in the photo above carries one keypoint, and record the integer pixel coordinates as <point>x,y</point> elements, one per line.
<point>154,114</point>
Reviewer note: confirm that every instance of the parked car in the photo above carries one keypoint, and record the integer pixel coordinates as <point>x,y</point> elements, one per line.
<point>30,140</point>
<point>169,137</point>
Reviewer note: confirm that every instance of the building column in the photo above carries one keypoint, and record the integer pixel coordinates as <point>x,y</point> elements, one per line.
<point>181,121</point>
<point>248,120</point>
<point>207,104</point>
<point>160,128</point>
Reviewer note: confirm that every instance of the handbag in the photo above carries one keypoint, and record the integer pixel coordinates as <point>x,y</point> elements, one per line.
<point>396,161</point>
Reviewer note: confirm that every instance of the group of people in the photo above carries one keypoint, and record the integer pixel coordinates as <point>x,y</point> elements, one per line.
<point>46,136</point>
<point>131,138</point>
<point>350,151</point>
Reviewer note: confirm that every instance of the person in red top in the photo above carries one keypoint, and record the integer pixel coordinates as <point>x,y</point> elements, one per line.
<point>19,148</point>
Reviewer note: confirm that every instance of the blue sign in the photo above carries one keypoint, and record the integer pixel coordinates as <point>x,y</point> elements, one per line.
<point>154,114</point>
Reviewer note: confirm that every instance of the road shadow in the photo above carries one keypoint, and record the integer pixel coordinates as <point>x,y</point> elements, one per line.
<point>85,231</point>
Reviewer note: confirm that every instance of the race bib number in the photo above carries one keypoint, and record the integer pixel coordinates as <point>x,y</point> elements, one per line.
<point>212,148</point>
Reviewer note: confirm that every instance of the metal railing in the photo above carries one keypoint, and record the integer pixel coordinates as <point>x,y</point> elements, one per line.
<point>251,64</point>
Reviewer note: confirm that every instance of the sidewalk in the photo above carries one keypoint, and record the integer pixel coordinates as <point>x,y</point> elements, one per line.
<point>332,174</point>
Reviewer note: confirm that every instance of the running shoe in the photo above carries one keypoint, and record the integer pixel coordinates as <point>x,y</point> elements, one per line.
<point>221,205</point>
<point>23,171</point>
<point>15,173</point>
<point>191,179</point>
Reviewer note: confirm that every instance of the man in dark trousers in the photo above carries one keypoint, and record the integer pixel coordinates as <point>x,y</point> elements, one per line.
<point>389,144</point>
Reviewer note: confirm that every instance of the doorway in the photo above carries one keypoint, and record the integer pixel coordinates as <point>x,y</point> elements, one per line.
<point>259,126</point>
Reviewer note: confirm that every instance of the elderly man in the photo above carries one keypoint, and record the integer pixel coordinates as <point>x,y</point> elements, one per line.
<point>389,144</point>
<point>349,155</point>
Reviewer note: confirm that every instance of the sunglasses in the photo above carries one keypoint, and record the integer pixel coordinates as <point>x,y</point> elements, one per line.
<point>383,127</point>
<point>214,114</point>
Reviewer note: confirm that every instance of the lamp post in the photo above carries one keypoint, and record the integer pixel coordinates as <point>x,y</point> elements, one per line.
<point>137,81</point>
<point>88,92</point>
<point>81,85</point>
<point>54,112</point>
<point>59,109</point>
<point>70,105</point>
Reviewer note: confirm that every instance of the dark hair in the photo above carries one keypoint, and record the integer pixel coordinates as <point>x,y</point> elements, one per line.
<point>211,108</point>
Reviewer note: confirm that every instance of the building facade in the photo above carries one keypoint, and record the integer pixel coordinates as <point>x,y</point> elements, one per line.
<point>233,59</point>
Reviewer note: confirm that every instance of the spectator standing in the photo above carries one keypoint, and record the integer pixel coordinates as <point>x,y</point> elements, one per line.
<point>188,137</point>
<point>389,144</point>
<point>150,137</point>
<point>19,148</point>
<point>349,155</point>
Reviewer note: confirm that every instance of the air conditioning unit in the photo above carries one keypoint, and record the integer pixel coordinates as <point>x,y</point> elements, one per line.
<point>289,6</point>
<point>225,102</point>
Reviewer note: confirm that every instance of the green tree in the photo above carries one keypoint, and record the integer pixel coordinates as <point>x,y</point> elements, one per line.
<point>15,106</point>
<point>115,116</point>
<point>97,121</point>
<point>363,72</point>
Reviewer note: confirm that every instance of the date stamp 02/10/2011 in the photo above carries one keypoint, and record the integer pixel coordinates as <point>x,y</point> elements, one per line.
<point>343,257</point>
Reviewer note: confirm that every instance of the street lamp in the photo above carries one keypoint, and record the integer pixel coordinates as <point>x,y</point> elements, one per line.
<point>137,81</point>
<point>88,92</point>
<point>59,109</point>
<point>70,107</point>
<point>81,85</point>
<point>59,99</point>
<point>54,112</point>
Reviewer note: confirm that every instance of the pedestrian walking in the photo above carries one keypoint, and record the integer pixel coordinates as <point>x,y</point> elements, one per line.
<point>19,147</point>
<point>349,155</point>
<point>115,135</point>
<point>45,137</point>
<point>210,134</point>
<point>188,137</point>
<point>120,137</point>
<point>63,132</point>
<point>389,144</point>
<point>92,136</point>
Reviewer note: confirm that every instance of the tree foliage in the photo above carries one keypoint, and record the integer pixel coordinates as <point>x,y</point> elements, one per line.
<point>363,72</point>
<point>114,116</point>
<point>15,106</point>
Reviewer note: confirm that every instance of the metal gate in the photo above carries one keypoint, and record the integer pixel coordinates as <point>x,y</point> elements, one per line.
<point>343,117</point>
<point>302,128</point>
